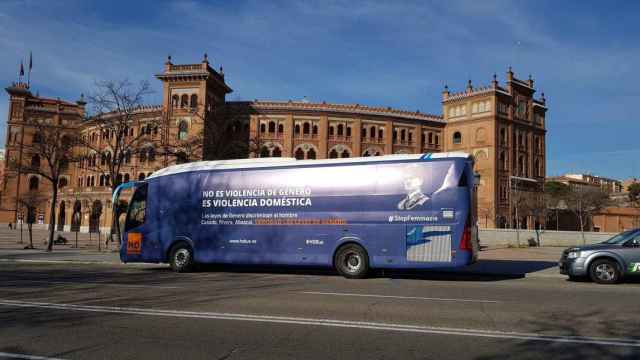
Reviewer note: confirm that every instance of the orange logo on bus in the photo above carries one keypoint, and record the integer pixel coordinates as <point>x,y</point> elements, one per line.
<point>134,243</point>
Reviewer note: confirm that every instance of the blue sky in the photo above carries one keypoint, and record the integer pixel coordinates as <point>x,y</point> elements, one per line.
<point>392,53</point>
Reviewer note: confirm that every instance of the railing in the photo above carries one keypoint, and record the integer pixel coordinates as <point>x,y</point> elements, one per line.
<point>189,67</point>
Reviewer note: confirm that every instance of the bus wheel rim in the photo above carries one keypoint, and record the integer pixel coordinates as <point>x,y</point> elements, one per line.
<point>182,257</point>
<point>353,262</point>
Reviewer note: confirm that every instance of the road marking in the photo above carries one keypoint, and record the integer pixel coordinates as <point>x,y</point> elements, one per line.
<point>25,356</point>
<point>624,342</point>
<point>81,262</point>
<point>399,297</point>
<point>95,283</point>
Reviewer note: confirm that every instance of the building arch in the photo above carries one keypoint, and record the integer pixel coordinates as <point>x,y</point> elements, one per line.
<point>194,101</point>
<point>305,151</point>
<point>457,137</point>
<point>340,151</point>
<point>34,183</point>
<point>35,161</point>
<point>184,101</point>
<point>61,216</point>
<point>372,151</point>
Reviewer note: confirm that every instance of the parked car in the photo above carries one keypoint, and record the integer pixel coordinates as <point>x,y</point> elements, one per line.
<point>605,263</point>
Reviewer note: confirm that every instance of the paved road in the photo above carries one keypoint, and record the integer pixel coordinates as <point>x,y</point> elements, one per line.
<point>93,311</point>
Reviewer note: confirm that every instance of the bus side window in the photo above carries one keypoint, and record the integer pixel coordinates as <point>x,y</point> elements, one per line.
<point>137,207</point>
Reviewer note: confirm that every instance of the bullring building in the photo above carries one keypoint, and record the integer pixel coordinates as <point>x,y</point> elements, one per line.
<point>501,124</point>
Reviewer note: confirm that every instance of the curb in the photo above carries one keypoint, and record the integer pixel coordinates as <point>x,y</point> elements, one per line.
<point>81,262</point>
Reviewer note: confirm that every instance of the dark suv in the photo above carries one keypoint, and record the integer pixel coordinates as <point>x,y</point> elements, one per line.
<point>606,262</point>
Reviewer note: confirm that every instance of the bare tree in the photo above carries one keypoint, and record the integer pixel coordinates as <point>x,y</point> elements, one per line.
<point>31,201</point>
<point>48,156</point>
<point>584,202</point>
<point>114,106</point>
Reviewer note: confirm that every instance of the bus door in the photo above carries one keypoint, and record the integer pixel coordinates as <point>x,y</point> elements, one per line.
<point>136,243</point>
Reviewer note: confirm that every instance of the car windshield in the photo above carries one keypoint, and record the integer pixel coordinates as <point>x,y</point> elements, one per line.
<point>622,237</point>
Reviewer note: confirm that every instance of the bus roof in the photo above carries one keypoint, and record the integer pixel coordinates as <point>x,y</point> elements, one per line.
<point>256,163</point>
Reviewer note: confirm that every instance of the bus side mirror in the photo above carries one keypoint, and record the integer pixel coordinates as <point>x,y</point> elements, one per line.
<point>476,179</point>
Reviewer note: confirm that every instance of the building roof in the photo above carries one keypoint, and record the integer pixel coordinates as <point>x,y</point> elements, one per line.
<point>275,162</point>
<point>344,108</point>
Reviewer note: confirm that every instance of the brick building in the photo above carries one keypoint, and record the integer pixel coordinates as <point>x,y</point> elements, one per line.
<point>502,125</point>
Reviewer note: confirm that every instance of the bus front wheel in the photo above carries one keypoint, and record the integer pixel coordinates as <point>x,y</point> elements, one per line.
<point>352,261</point>
<point>181,258</point>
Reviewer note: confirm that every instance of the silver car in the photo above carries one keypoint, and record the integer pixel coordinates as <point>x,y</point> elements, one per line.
<point>605,263</point>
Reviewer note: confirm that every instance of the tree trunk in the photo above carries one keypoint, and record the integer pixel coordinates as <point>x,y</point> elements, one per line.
<point>52,216</point>
<point>582,230</point>
<point>115,226</point>
<point>30,236</point>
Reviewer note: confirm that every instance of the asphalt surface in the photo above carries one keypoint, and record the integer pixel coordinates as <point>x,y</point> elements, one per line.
<point>104,311</point>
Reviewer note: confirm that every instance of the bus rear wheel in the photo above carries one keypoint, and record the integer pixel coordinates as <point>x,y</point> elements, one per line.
<point>352,261</point>
<point>181,258</point>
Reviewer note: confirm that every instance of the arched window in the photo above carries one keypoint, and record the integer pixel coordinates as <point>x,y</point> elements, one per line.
<point>430,137</point>
<point>34,182</point>
<point>174,101</point>
<point>311,154</point>
<point>127,157</point>
<point>131,132</point>
<point>184,101</point>
<point>372,132</point>
<point>423,139</point>
<point>101,180</point>
<point>437,140</point>
<point>183,130</point>
<point>331,131</point>
<point>457,137</point>
<point>264,152</point>
<point>263,128</point>
<point>35,161</point>
<point>345,154</point>
<point>299,155</point>
<point>194,101</point>
<point>181,158</point>
<point>395,135</point>
<point>296,129</point>
<point>306,128</point>
<point>107,180</point>
<point>503,163</point>
<point>380,134</point>
<point>403,135</point>
<point>340,129</point>
<point>314,130</point>
<point>277,152</point>
<point>62,183</point>
<point>363,133</point>
<point>151,154</point>
<point>333,154</point>
<point>272,127</point>
<point>410,136</point>
<point>348,131</point>
<point>280,128</point>
<point>143,156</point>
<point>141,176</point>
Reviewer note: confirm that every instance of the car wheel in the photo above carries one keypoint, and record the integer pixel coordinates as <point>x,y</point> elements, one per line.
<point>352,261</point>
<point>181,258</point>
<point>604,271</point>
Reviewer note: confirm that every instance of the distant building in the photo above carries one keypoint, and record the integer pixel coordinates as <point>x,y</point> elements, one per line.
<point>573,182</point>
<point>617,219</point>
<point>629,182</point>
<point>606,184</point>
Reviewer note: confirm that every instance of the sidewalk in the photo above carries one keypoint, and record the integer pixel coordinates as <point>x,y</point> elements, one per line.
<point>508,263</point>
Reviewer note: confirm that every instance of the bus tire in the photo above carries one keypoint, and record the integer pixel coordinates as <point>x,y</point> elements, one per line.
<point>181,258</point>
<point>352,261</point>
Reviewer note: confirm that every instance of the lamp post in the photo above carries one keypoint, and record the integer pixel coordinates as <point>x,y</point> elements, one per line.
<point>77,226</point>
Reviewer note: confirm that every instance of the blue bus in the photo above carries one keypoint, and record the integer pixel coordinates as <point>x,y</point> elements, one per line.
<point>397,211</point>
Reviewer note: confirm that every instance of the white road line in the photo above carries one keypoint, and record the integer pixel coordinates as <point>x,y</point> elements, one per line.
<point>25,356</point>
<point>399,297</point>
<point>624,342</point>
<point>96,283</point>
